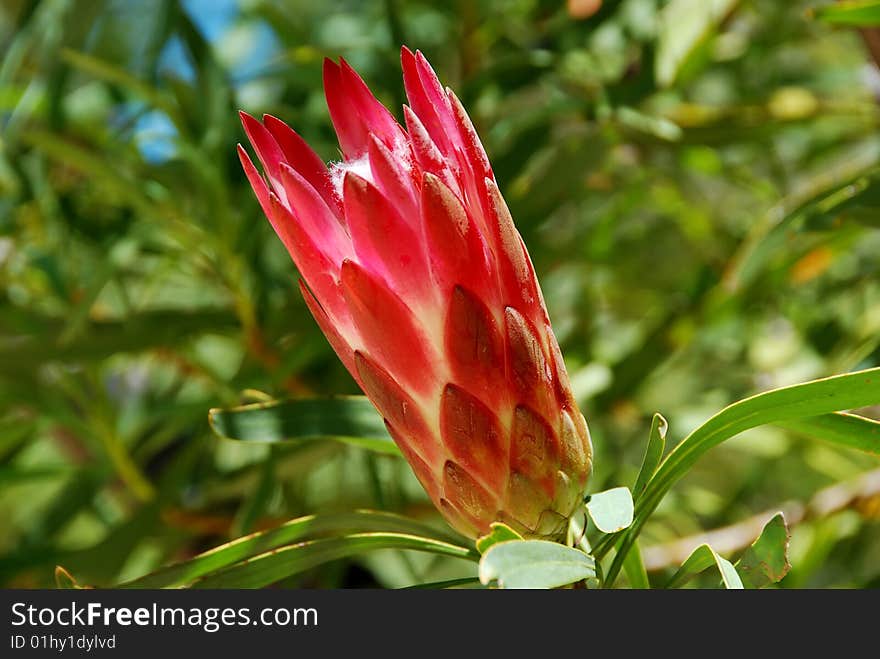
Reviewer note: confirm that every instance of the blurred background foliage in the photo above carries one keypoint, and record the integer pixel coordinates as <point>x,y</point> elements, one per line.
<point>697,182</point>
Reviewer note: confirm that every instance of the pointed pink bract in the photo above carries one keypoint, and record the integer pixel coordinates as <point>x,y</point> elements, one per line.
<point>302,159</point>
<point>377,231</point>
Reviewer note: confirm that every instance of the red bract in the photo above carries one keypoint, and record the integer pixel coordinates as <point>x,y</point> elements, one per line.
<point>416,274</point>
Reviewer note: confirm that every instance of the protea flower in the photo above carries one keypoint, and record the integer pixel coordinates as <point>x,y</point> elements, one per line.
<point>415,273</point>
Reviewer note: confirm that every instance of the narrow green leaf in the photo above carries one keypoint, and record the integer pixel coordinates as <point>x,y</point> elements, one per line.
<point>634,567</point>
<point>500,533</point>
<point>348,419</point>
<point>653,454</point>
<point>841,428</point>
<point>766,560</point>
<point>729,576</point>
<point>534,564</point>
<point>702,558</point>
<point>248,546</point>
<point>612,510</point>
<point>287,561</point>
<point>859,13</point>
<point>810,399</point>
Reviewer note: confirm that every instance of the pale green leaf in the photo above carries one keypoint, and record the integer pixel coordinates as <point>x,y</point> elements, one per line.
<point>612,510</point>
<point>534,564</point>
<point>702,558</point>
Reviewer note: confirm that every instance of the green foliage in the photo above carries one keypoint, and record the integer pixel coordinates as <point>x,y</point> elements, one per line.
<point>653,453</point>
<point>612,510</point>
<point>765,562</point>
<point>857,389</point>
<point>534,564</point>
<point>634,568</point>
<point>849,430</point>
<point>702,559</point>
<point>697,186</point>
<point>242,550</point>
<point>500,533</point>
<point>352,420</point>
<point>266,569</point>
<point>860,13</point>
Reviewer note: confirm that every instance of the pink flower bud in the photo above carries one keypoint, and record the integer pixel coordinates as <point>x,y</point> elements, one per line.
<point>414,271</point>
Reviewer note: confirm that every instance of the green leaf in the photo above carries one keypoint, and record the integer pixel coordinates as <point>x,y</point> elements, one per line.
<point>766,561</point>
<point>348,419</point>
<point>634,567</point>
<point>860,13</point>
<point>500,533</point>
<point>684,26</point>
<point>653,454</point>
<point>535,564</point>
<point>279,564</point>
<point>251,545</point>
<point>840,392</point>
<point>702,558</point>
<point>850,430</point>
<point>612,510</point>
